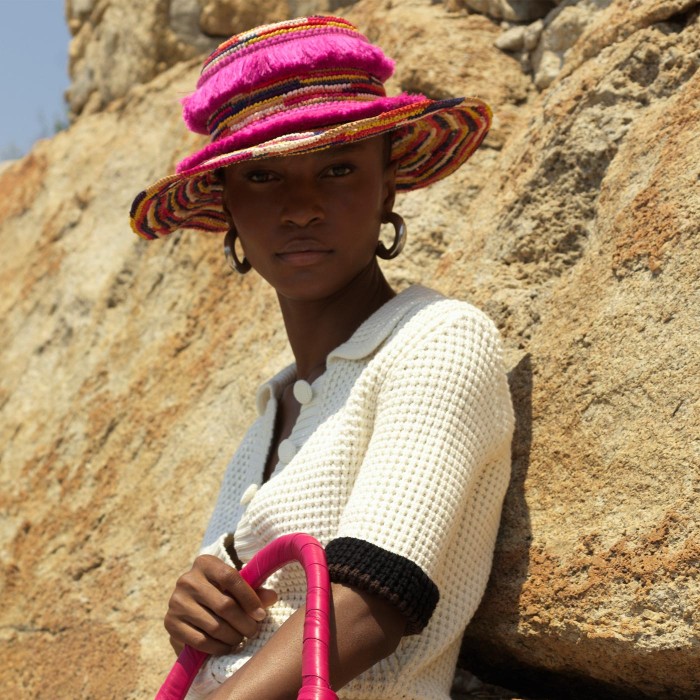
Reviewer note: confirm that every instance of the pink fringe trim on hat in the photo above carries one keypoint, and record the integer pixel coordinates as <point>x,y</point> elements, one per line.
<point>306,118</point>
<point>283,56</point>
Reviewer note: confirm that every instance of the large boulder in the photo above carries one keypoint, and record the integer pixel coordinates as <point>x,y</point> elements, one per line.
<point>128,368</point>
<point>590,265</point>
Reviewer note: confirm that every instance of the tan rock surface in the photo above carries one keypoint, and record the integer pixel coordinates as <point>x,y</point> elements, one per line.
<point>117,45</point>
<point>128,369</point>
<point>599,235</point>
<point>562,28</point>
<point>224,17</point>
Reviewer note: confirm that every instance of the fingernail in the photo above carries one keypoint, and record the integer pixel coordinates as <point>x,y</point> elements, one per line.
<point>258,614</point>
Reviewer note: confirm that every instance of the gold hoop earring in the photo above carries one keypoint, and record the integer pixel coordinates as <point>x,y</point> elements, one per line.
<point>240,266</point>
<point>399,239</point>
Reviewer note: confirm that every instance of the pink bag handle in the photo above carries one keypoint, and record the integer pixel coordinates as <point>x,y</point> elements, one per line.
<point>314,655</point>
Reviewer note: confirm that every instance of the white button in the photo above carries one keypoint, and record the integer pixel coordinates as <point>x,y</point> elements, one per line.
<point>302,391</point>
<point>249,494</point>
<point>286,451</point>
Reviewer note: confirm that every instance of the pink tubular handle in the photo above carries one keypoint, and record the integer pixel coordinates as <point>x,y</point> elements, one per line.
<point>314,655</point>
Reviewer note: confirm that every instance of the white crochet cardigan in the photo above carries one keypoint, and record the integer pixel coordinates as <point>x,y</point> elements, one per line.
<point>404,444</point>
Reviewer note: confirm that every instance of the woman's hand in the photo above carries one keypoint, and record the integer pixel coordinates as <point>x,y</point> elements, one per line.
<point>212,608</point>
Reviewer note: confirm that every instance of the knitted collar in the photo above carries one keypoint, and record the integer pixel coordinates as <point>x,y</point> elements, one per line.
<point>363,342</point>
<point>377,328</point>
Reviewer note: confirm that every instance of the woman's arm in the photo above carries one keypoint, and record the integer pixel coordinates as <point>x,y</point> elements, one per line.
<point>364,630</point>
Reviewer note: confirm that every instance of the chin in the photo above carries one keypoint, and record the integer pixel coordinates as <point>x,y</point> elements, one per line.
<point>309,290</point>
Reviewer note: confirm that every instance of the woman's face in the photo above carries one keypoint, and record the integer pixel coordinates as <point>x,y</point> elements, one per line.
<point>309,224</point>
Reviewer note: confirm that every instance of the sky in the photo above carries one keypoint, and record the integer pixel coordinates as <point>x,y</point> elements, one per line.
<point>34,42</point>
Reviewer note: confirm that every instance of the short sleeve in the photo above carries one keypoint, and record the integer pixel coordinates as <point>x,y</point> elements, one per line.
<point>443,417</point>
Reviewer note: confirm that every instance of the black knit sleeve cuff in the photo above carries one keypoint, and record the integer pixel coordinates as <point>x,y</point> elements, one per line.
<point>390,576</point>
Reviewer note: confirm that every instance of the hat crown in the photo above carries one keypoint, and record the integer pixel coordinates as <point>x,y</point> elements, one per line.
<point>251,61</point>
<point>268,35</point>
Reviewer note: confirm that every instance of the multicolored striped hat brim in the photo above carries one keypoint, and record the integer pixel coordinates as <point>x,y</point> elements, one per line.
<point>295,87</point>
<point>432,139</point>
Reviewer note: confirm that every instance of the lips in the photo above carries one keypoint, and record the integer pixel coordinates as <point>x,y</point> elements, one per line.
<point>303,252</point>
<point>303,245</point>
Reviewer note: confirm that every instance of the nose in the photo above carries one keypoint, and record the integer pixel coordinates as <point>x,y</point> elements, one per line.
<point>303,204</point>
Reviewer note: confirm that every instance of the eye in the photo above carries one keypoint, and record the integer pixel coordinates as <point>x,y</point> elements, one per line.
<point>259,177</point>
<point>340,170</point>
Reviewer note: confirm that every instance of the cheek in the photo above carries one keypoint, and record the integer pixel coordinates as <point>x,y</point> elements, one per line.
<point>252,245</point>
<point>251,236</point>
<point>249,215</point>
<point>365,202</point>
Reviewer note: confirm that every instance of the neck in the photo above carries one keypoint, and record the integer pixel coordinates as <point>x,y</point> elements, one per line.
<point>315,328</point>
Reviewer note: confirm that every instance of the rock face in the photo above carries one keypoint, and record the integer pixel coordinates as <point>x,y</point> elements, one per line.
<point>591,266</point>
<point>128,369</point>
<point>117,45</point>
<point>560,31</point>
<point>513,10</point>
<point>223,17</point>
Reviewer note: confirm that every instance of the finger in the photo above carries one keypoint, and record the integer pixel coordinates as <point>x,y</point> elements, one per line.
<point>267,596</point>
<point>229,581</point>
<point>232,583</point>
<point>218,629</point>
<point>215,613</point>
<point>232,614</point>
<point>177,646</point>
<point>197,639</point>
<point>195,625</point>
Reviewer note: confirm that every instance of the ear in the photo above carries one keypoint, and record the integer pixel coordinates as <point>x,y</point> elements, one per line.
<point>389,189</point>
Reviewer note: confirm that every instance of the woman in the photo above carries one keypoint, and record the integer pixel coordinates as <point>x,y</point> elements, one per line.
<point>389,437</point>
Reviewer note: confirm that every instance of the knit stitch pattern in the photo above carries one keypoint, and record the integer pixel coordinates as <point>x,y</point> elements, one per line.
<point>389,576</point>
<point>405,447</point>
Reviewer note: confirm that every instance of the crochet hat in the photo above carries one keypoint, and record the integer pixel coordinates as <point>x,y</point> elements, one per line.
<point>295,87</point>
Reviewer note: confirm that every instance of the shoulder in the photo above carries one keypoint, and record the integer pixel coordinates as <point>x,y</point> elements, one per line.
<point>408,319</point>
<point>444,357</point>
<point>450,327</point>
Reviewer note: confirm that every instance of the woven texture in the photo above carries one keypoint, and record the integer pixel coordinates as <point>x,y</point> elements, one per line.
<point>394,578</point>
<point>405,444</point>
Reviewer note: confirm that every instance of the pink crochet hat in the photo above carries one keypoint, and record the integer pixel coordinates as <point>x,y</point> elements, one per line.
<point>295,87</point>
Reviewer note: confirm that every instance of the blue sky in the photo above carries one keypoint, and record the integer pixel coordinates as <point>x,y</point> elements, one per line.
<point>33,72</point>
